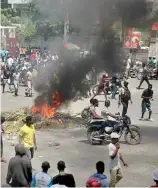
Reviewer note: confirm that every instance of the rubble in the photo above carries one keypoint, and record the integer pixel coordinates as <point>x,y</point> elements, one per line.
<point>15,120</point>
<point>54,144</point>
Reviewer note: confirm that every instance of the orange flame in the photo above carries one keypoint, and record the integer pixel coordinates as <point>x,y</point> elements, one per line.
<point>46,110</point>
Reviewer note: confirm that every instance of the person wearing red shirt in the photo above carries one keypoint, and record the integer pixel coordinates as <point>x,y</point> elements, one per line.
<point>102,85</point>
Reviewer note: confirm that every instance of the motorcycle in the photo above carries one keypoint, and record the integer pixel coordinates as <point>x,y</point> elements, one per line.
<point>153,73</point>
<point>107,84</point>
<point>97,133</point>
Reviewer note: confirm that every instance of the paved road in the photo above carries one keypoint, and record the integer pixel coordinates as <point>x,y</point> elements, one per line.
<point>80,157</point>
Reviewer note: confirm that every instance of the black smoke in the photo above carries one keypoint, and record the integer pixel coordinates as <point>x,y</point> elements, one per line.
<point>67,77</point>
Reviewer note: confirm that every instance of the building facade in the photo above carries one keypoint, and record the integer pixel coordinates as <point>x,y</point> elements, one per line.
<point>9,40</point>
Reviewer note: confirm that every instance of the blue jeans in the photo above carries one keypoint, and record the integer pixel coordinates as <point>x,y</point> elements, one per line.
<point>146,106</point>
<point>113,91</point>
<point>102,125</point>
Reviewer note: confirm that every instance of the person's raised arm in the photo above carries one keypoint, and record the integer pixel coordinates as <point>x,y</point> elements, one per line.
<point>112,152</point>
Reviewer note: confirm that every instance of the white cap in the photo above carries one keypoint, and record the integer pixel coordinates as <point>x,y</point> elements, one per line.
<point>155,174</point>
<point>114,135</point>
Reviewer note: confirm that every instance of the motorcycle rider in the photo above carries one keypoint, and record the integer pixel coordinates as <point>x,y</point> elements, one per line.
<point>97,115</point>
<point>102,85</point>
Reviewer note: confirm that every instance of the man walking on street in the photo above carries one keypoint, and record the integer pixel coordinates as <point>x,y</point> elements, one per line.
<point>147,95</point>
<point>124,97</point>
<point>144,76</point>
<point>16,80</point>
<point>6,78</point>
<point>28,138</point>
<point>114,160</point>
<point>29,82</point>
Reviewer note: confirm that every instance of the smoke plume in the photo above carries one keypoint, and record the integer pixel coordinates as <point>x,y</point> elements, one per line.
<point>68,78</point>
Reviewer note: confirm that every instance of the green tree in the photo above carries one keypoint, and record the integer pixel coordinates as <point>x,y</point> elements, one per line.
<point>4,20</point>
<point>27,31</point>
<point>9,17</point>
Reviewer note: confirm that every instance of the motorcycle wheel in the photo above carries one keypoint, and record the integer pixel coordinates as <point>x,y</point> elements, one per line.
<point>90,135</point>
<point>95,89</point>
<point>135,134</point>
<point>139,76</point>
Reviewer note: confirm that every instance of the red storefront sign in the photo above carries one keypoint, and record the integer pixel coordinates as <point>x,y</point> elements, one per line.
<point>132,38</point>
<point>155,26</point>
<point>135,39</point>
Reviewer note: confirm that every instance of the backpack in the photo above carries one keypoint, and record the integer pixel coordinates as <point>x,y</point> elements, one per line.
<point>127,95</point>
<point>93,182</point>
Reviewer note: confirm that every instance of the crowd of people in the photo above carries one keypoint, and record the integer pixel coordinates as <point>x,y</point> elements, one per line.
<point>20,70</point>
<point>124,93</point>
<point>20,172</point>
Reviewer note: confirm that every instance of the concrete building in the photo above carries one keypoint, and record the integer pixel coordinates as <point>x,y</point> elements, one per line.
<point>18,3</point>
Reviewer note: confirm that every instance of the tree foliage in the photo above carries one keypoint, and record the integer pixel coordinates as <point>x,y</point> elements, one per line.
<point>4,20</point>
<point>10,16</point>
<point>27,31</point>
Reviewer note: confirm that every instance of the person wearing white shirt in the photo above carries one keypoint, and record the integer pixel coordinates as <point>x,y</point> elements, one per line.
<point>114,160</point>
<point>16,80</point>
<point>10,61</point>
<point>101,116</point>
<point>29,82</point>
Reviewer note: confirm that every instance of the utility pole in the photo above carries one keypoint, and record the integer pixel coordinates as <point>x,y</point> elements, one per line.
<point>65,5</point>
<point>66,29</point>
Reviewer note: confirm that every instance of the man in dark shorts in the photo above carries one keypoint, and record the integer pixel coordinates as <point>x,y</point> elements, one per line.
<point>147,95</point>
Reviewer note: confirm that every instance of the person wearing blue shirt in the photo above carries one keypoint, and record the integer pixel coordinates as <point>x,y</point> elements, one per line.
<point>42,179</point>
<point>99,176</point>
<point>3,54</point>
